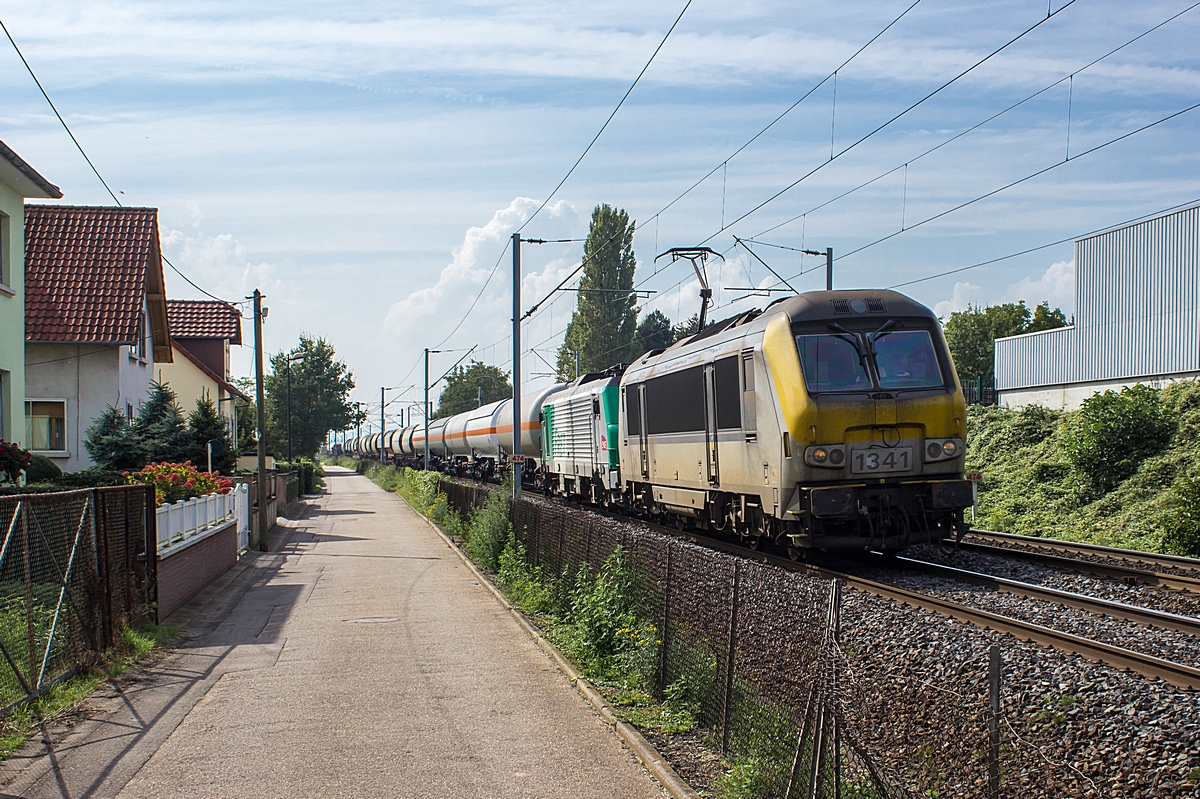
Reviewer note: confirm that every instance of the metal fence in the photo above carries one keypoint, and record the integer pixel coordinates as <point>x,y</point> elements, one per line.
<point>753,647</point>
<point>815,687</point>
<point>73,574</point>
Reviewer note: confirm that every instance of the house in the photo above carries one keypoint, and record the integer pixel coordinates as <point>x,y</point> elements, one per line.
<point>18,182</point>
<point>201,333</point>
<point>95,321</point>
<point>1137,317</point>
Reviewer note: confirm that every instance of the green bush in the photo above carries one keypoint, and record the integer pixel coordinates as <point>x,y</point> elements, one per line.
<point>522,582</point>
<point>489,531</point>
<point>94,477</point>
<point>41,469</point>
<point>1181,522</point>
<point>602,609</point>
<point>1114,433</point>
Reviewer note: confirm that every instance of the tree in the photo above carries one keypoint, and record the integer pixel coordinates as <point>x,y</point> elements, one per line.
<point>686,328</point>
<point>160,430</point>
<point>321,388</point>
<point>462,388</point>
<point>111,443</point>
<point>206,424</point>
<point>654,332</point>
<point>972,334</point>
<point>604,326</point>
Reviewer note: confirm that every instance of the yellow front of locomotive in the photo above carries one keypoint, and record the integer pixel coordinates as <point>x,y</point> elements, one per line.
<point>875,421</point>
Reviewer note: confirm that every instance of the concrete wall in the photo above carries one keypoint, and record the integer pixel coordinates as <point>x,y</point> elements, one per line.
<point>12,315</point>
<point>1069,397</point>
<point>89,377</point>
<point>190,384</point>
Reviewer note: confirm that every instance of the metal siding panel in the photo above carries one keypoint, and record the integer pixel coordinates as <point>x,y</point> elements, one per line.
<point>1136,310</point>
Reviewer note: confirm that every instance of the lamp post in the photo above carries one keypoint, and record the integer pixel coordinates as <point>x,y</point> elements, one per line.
<point>291,359</point>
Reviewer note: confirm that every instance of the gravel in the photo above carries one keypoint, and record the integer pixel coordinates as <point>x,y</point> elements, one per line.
<point>1167,599</point>
<point>917,688</point>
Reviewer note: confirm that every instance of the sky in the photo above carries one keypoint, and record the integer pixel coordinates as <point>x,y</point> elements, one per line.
<point>364,166</point>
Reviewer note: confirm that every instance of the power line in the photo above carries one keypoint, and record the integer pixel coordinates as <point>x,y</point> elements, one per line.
<point>939,89</point>
<point>55,110</point>
<point>595,138</point>
<point>971,129</point>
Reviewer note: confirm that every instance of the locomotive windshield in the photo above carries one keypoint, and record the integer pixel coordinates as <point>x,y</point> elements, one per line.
<point>906,359</point>
<point>832,363</point>
<point>888,359</point>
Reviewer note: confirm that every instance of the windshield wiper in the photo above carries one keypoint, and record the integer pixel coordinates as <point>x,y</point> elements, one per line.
<point>853,339</point>
<point>883,330</point>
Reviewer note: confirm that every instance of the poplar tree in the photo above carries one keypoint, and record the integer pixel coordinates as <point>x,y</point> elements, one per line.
<point>603,329</point>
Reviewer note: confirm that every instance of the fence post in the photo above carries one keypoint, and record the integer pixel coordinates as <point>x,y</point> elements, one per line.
<point>994,722</point>
<point>28,594</point>
<point>152,552</point>
<point>737,580</point>
<point>666,619</point>
<point>835,634</point>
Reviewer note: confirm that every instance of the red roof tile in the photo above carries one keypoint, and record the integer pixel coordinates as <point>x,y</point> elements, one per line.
<point>87,272</point>
<point>204,319</point>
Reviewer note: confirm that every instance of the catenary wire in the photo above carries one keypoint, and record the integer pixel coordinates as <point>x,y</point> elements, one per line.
<point>893,119</point>
<point>596,138</point>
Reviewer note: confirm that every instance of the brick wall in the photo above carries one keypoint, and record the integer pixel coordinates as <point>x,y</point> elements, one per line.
<point>183,573</point>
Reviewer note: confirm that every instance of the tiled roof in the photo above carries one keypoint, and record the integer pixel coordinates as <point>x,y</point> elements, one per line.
<point>87,271</point>
<point>204,319</point>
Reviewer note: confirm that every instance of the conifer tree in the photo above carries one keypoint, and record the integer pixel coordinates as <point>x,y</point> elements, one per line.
<point>111,442</point>
<point>206,424</point>
<point>160,429</point>
<point>603,329</point>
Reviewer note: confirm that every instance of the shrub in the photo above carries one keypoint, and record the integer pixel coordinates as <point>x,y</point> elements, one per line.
<point>1114,433</point>
<point>94,477</point>
<point>489,531</point>
<point>1181,522</point>
<point>174,482</point>
<point>41,469</point>
<point>13,460</point>
<point>521,582</point>
<point>602,609</point>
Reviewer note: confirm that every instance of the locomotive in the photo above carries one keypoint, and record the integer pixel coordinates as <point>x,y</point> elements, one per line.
<point>830,420</point>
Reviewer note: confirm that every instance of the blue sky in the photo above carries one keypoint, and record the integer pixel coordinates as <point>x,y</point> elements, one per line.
<point>365,166</point>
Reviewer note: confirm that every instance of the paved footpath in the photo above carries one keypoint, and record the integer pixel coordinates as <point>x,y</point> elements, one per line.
<point>362,659</point>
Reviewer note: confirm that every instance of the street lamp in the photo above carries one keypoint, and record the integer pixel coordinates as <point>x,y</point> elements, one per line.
<point>291,359</point>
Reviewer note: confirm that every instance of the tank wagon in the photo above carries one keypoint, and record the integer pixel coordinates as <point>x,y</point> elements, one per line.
<point>831,420</point>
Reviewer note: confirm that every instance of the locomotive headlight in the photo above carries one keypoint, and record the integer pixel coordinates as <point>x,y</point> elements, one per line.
<point>940,449</point>
<point>830,457</point>
<point>934,450</point>
<point>820,455</point>
<point>837,456</point>
<point>949,448</point>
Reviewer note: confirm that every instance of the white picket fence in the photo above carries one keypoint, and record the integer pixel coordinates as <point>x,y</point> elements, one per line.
<point>179,522</point>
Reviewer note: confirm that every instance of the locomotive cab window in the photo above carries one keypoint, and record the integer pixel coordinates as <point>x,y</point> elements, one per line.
<point>831,362</point>
<point>907,359</point>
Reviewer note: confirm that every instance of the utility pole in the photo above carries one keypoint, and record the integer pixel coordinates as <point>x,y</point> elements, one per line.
<point>358,417</point>
<point>261,482</point>
<point>426,409</point>
<point>516,365</point>
<point>479,401</point>
<point>382,425</point>
<point>829,269</point>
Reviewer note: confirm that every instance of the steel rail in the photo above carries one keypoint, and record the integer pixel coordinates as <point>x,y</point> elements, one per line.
<point>1128,574</point>
<point>1177,674</point>
<point>1058,545</point>
<point>1101,607</point>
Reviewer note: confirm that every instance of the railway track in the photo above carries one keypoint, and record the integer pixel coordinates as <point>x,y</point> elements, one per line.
<point>1178,674</point>
<point>1126,565</point>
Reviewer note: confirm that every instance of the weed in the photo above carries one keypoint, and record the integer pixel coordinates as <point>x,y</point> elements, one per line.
<point>521,582</point>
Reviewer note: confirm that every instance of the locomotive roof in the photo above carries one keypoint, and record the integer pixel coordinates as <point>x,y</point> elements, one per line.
<point>832,305</point>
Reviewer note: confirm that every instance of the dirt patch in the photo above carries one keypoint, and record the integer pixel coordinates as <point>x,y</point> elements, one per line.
<point>696,764</point>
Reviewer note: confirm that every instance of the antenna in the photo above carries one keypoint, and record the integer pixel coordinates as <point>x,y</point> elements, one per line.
<point>697,256</point>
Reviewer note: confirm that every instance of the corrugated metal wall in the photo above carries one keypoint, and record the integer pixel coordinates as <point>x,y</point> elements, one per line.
<point>1136,305</point>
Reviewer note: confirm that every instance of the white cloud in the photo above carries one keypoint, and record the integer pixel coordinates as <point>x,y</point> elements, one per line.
<point>964,294</point>
<point>1056,285</point>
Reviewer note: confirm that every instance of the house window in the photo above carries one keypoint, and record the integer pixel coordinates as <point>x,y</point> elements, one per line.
<point>46,425</point>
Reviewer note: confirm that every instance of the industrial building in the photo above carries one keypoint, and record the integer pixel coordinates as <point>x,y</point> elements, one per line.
<point>1137,317</point>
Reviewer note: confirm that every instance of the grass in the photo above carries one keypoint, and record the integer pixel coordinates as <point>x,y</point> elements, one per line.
<point>21,724</point>
<point>1037,479</point>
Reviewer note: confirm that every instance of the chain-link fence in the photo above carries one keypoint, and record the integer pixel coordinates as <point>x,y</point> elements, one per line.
<point>823,711</point>
<point>73,573</point>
